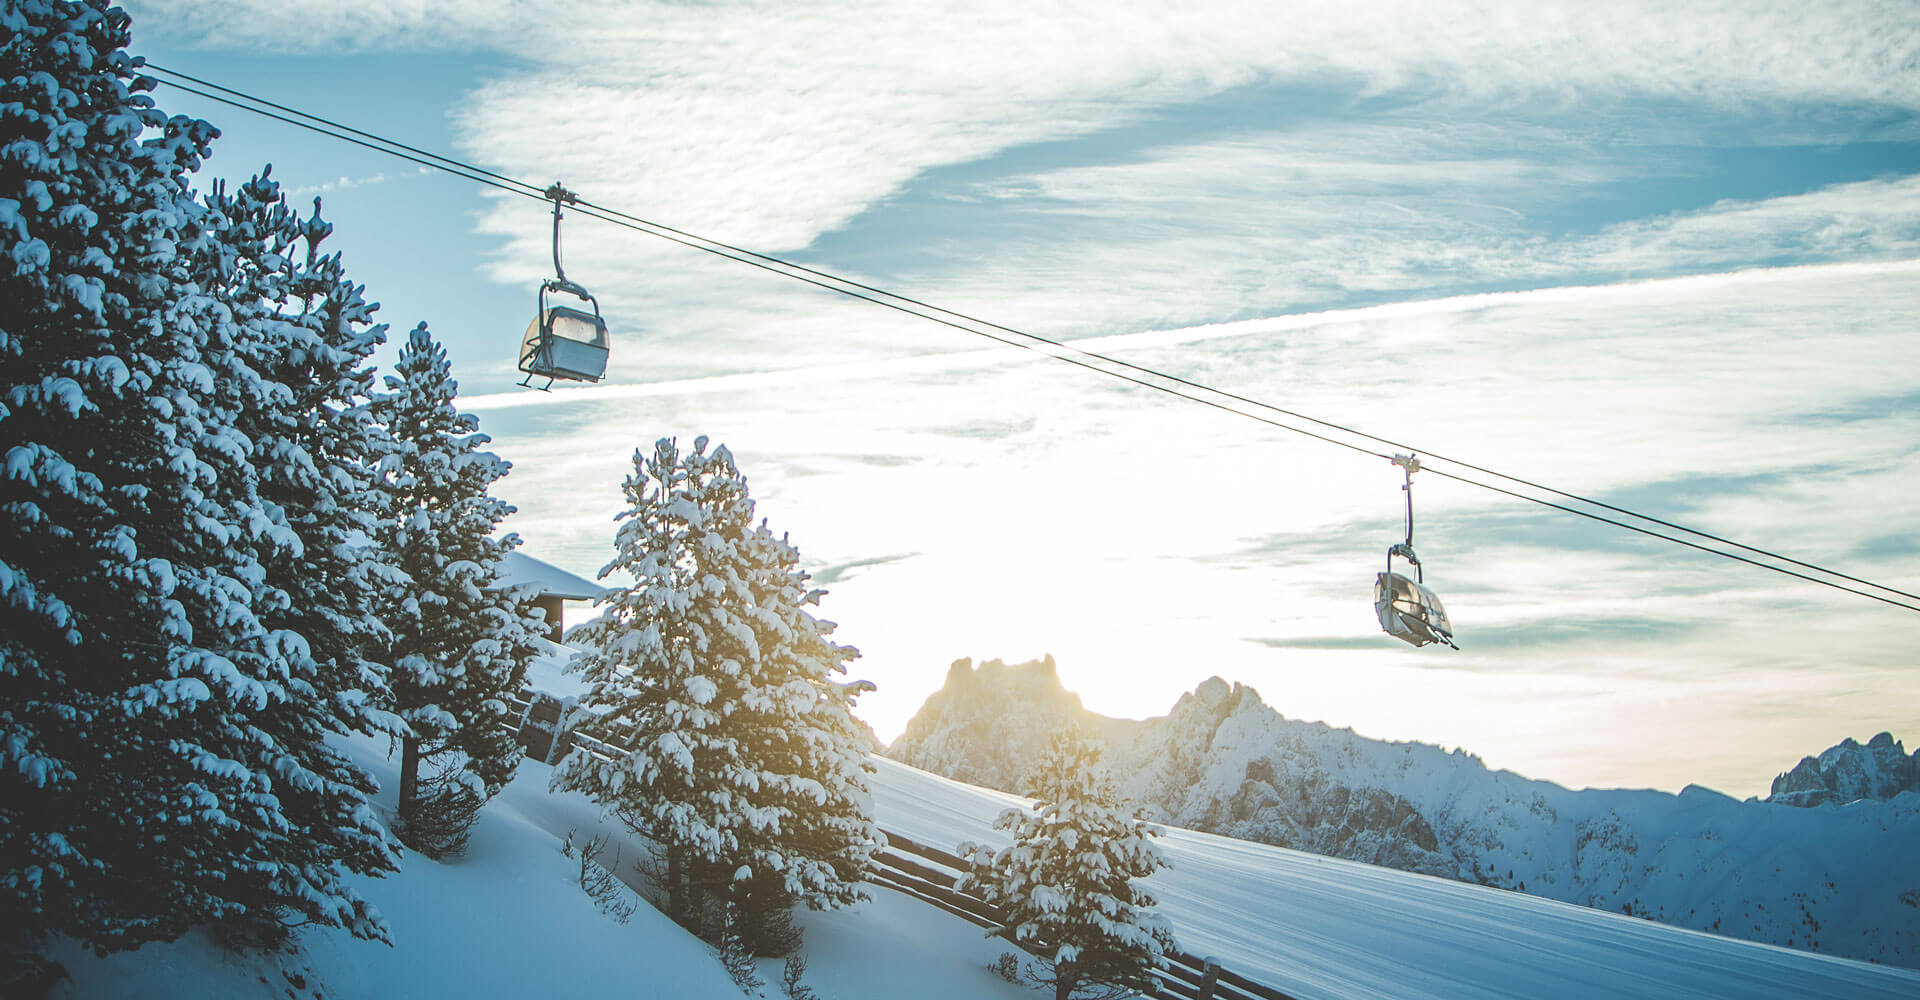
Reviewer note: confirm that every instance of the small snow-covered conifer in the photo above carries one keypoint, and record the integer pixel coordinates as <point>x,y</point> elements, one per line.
<point>665,661</point>
<point>460,643</point>
<point>745,761</point>
<point>1066,882</point>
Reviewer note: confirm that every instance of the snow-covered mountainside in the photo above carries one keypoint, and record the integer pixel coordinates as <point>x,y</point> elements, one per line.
<point>1321,928</point>
<point>1849,771</point>
<point>1840,878</point>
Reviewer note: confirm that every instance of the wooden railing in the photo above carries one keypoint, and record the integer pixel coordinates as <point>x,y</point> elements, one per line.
<point>930,874</point>
<point>905,865</point>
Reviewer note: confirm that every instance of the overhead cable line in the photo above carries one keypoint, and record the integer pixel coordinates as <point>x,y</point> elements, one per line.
<point>1107,365</point>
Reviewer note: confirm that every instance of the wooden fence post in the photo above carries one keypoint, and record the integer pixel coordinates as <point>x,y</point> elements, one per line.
<point>1209,977</point>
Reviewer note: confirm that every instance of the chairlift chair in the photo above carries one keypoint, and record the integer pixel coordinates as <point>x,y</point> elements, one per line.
<point>1406,608</point>
<point>564,342</point>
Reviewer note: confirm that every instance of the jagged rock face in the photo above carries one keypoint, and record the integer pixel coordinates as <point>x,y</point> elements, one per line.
<point>1847,772</point>
<point>987,723</point>
<point>1223,762</point>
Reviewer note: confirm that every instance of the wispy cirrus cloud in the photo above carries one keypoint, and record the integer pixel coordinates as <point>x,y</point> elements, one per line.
<point>1263,225</point>
<point>771,124</point>
<point>348,183</point>
<point>1420,146</point>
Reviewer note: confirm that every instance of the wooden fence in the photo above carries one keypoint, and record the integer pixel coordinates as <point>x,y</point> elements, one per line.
<point>929,874</point>
<point>922,871</point>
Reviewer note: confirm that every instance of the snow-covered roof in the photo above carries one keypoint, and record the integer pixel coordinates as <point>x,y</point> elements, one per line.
<point>519,568</point>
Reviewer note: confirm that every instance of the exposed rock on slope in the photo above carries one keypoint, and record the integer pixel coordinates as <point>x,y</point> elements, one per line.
<point>1849,771</point>
<point>1840,879</point>
<point>1217,763</point>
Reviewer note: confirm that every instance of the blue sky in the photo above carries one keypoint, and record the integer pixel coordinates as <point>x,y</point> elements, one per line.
<point>1670,257</point>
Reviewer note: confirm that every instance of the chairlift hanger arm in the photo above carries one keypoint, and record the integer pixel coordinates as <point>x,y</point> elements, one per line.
<point>558,194</point>
<point>1409,464</point>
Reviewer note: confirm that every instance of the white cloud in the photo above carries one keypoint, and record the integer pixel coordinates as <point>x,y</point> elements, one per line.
<point>345,183</point>
<point>1193,234</point>
<point>771,123</point>
<point>1866,220</point>
<point>1188,238</point>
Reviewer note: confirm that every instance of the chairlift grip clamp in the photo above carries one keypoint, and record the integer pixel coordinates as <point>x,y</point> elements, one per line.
<point>563,285</point>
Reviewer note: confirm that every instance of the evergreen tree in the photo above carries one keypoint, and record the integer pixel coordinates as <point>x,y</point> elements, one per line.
<point>665,662</point>
<point>460,643</point>
<point>801,737</point>
<point>161,761</point>
<point>307,338</point>
<point>744,763</point>
<point>302,340</point>
<point>1066,883</point>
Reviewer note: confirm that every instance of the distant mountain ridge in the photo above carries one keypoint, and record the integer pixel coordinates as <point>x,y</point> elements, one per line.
<point>1848,772</point>
<point>1837,878</point>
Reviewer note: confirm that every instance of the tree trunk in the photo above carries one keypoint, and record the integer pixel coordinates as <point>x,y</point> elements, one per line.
<point>676,887</point>
<point>1064,980</point>
<point>409,776</point>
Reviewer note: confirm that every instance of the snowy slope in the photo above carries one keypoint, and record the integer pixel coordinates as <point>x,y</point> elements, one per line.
<point>1840,879</point>
<point>1327,929</point>
<point>510,920</point>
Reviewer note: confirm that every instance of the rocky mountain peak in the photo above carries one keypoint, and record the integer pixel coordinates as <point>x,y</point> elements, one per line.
<point>1848,771</point>
<point>1216,699</point>
<point>988,721</point>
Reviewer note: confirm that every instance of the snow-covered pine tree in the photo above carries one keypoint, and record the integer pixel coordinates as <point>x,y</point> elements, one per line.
<point>160,756</point>
<point>666,661</point>
<point>302,341</point>
<point>460,643</point>
<point>1066,883</point>
<point>802,738</point>
<point>746,762</point>
<point>308,336</point>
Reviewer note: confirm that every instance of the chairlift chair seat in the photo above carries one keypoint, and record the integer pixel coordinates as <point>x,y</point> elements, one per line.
<point>1409,611</point>
<point>566,343</point>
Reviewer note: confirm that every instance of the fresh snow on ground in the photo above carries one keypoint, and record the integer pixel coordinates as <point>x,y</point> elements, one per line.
<point>507,920</point>
<point>510,920</point>
<point>548,672</point>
